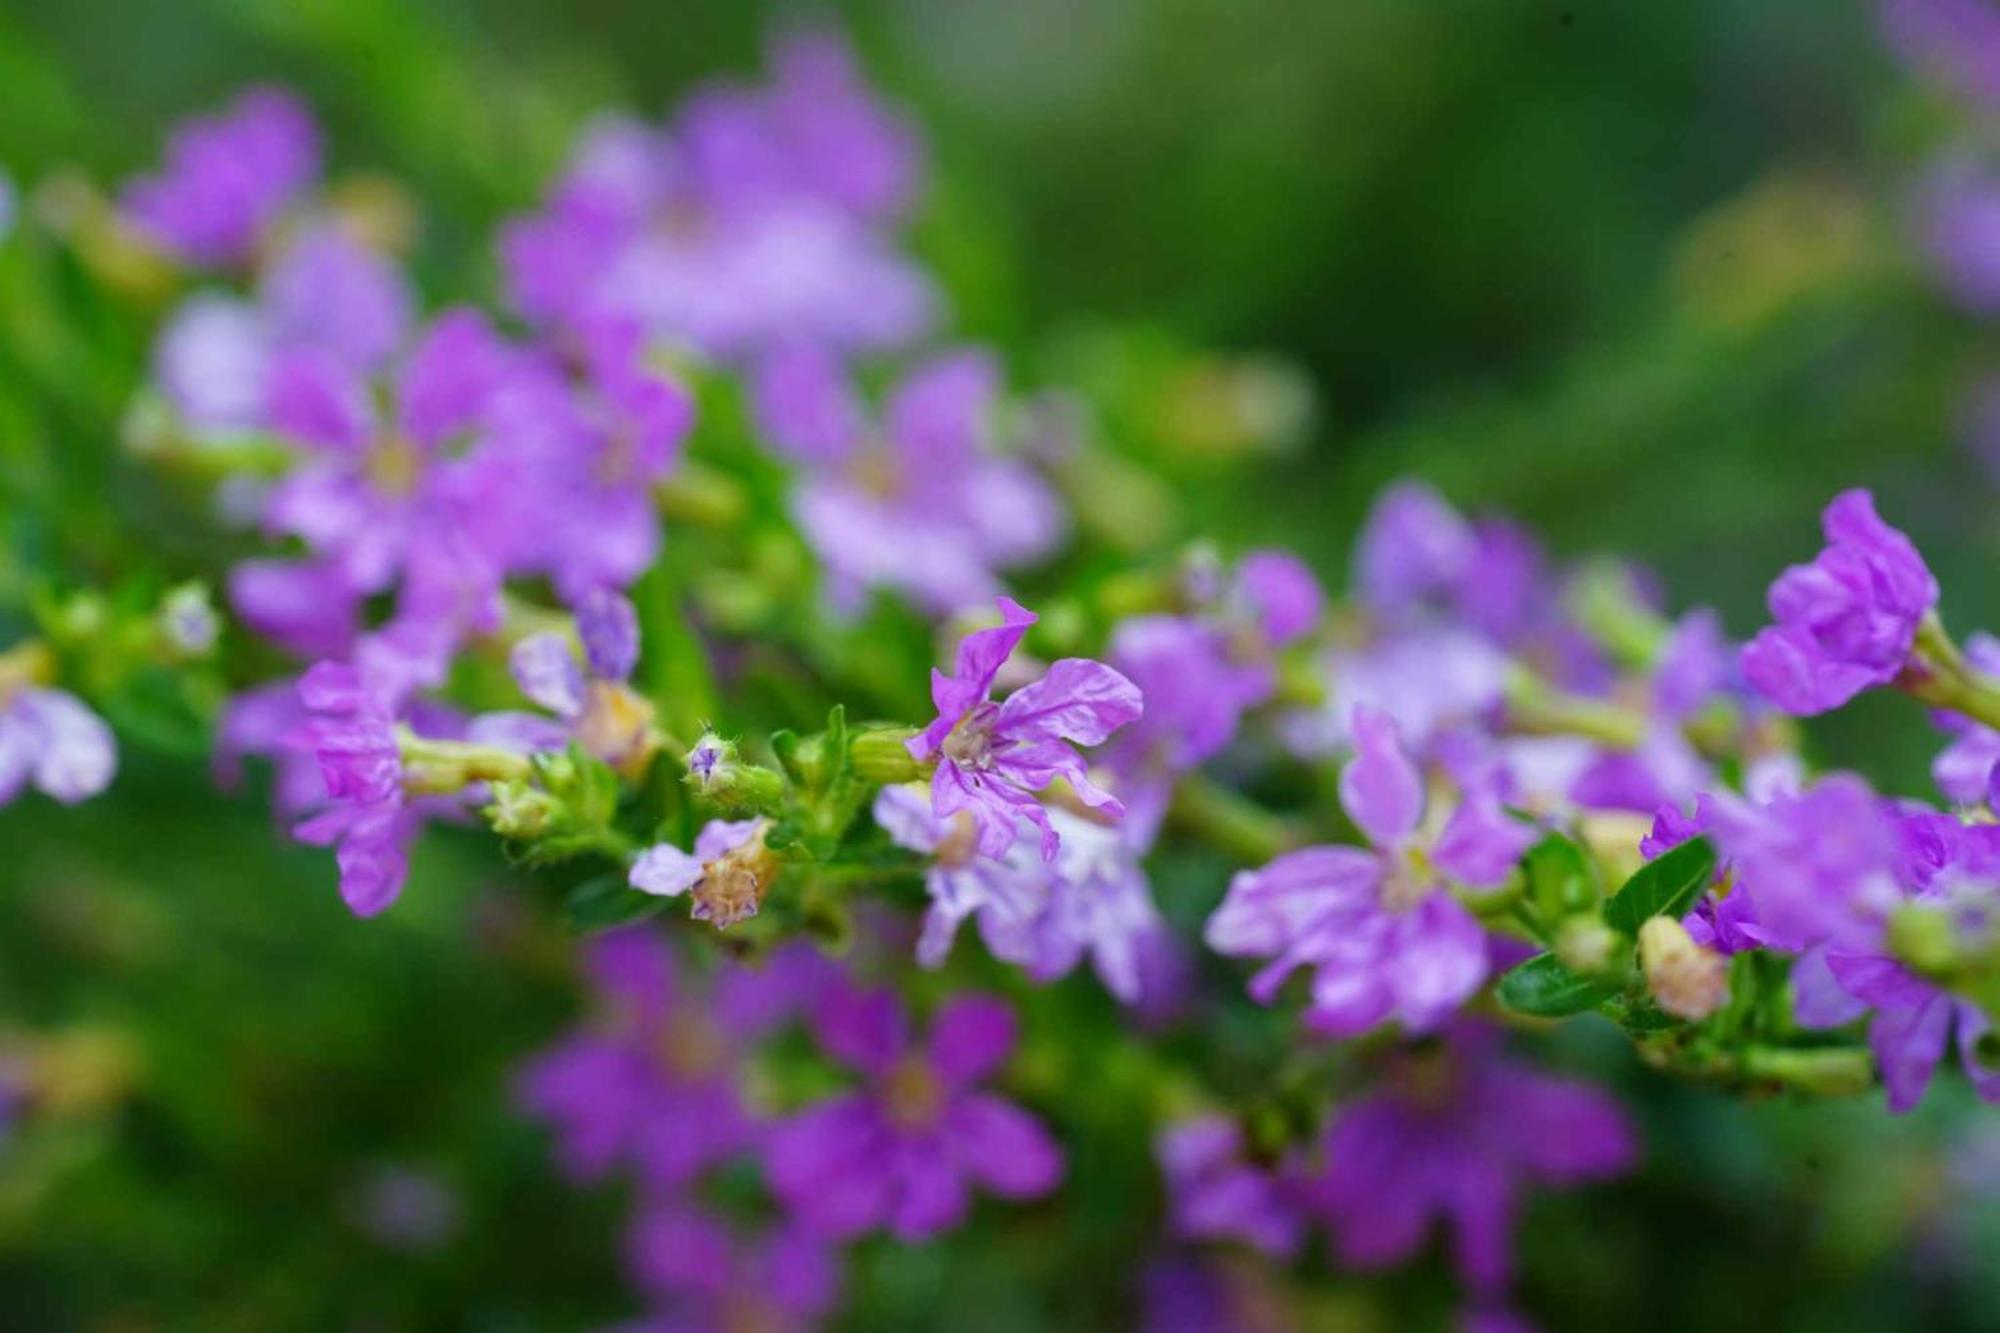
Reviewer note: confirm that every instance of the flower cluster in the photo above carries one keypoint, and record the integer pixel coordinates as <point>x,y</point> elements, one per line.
<point>718,471</point>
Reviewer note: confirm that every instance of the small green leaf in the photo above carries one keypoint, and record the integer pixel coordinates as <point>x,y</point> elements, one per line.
<point>1544,987</point>
<point>607,901</point>
<point>1559,877</point>
<point>1665,886</point>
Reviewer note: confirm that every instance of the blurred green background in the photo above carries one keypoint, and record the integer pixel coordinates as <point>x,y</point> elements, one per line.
<point>1636,273</point>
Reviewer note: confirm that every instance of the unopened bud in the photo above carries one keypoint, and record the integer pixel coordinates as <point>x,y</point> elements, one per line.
<point>1585,945</point>
<point>521,810</point>
<point>882,754</point>
<point>187,621</point>
<point>715,770</point>
<point>1687,980</point>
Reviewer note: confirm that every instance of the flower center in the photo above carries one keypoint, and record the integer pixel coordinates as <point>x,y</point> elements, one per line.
<point>395,465</point>
<point>913,1095</point>
<point>970,744</point>
<point>1408,880</point>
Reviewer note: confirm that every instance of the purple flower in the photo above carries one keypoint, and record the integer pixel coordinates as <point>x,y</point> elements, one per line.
<point>1279,596</point>
<point>653,1081</point>
<point>1913,1023</point>
<point>1093,899</point>
<point>227,178</point>
<point>1215,1193</point>
<point>705,1277</point>
<point>992,758</point>
<point>921,504</point>
<point>352,734</point>
<point>1454,1135</point>
<point>1957,41</point>
<point>1848,620</point>
<point>1959,221</point>
<point>1413,550</point>
<point>1429,678</point>
<point>1378,924</point>
<point>50,740</point>
<point>330,291</point>
<point>762,216</point>
<point>1417,558</point>
<point>902,1151</point>
<point>596,708</point>
<point>1818,866</point>
<point>1965,770</point>
<point>1195,693</point>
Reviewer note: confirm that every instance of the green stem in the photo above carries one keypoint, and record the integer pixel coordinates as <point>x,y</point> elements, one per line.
<point>1232,822</point>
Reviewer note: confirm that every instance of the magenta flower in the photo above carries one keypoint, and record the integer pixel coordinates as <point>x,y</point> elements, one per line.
<point>1848,620</point>
<point>653,1080</point>
<point>49,739</point>
<point>993,758</point>
<point>903,1151</point>
<point>704,1276</point>
<point>1454,1135</point>
<point>227,179</point>
<point>1216,1193</point>
<point>1378,924</point>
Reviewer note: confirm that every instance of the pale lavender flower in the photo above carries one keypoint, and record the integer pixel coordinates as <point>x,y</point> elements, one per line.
<point>993,758</point>
<point>1216,1193</point>
<point>1848,620</point>
<point>51,740</point>
<point>227,179</point>
<point>726,875</point>
<point>1093,899</point>
<point>1430,678</point>
<point>593,705</point>
<point>1378,924</point>
<point>1455,1135</point>
<point>903,1152</point>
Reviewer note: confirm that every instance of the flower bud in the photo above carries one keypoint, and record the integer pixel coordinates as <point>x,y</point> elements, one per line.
<point>522,810</point>
<point>716,772</point>
<point>187,622</point>
<point>1585,945</point>
<point>1687,980</point>
<point>882,754</point>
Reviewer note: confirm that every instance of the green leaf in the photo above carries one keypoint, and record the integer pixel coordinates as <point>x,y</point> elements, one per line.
<point>1542,986</point>
<point>1559,877</point>
<point>1665,886</point>
<point>607,901</point>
